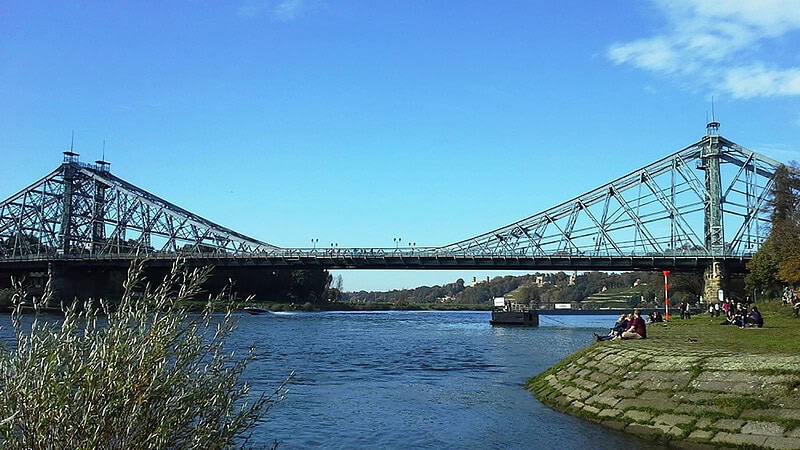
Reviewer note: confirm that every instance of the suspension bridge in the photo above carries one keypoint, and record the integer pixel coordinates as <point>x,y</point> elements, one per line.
<point>701,208</point>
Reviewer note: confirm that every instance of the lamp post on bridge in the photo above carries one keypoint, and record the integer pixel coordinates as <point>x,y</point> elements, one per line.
<point>397,243</point>
<point>314,242</point>
<point>412,245</point>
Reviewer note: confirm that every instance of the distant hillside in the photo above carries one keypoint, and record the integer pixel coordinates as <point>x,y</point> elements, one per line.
<point>590,289</point>
<point>617,298</point>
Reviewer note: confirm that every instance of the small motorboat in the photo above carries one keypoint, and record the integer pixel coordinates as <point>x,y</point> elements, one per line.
<point>255,310</point>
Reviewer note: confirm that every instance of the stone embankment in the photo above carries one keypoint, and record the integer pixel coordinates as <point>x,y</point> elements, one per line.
<point>690,399</point>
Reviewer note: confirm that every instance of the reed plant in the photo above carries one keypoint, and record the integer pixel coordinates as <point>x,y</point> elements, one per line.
<point>143,374</point>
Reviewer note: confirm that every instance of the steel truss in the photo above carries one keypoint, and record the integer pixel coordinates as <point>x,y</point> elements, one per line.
<point>83,210</point>
<point>706,200</point>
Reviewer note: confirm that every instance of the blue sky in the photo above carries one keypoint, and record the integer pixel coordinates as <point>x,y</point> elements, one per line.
<point>359,122</point>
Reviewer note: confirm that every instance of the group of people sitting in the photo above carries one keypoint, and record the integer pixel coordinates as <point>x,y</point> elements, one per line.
<point>628,326</point>
<point>741,317</point>
<point>633,326</point>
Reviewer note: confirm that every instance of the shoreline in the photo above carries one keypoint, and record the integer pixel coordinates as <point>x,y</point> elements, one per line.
<point>683,395</point>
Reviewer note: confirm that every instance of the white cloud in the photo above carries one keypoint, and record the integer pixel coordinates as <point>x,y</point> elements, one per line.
<point>281,10</point>
<point>718,43</point>
<point>759,81</point>
<point>655,54</point>
<point>253,8</point>
<point>288,9</point>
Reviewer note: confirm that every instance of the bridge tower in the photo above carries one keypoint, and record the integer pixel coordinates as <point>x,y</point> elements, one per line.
<point>69,172</point>
<point>98,212</point>
<point>714,235</point>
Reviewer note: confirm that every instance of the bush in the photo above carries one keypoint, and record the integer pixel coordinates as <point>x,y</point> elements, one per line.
<point>147,375</point>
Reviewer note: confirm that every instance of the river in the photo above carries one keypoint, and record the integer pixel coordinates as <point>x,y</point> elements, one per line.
<point>403,379</point>
<point>416,380</point>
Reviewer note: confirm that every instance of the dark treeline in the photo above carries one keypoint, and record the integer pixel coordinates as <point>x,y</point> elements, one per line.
<point>312,286</point>
<point>316,286</point>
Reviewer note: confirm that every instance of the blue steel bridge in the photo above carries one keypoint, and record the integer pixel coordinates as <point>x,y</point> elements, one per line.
<point>700,208</point>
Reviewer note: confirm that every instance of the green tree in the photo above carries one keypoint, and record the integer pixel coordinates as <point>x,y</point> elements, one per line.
<point>529,294</point>
<point>146,376</point>
<point>688,286</point>
<point>762,272</point>
<point>778,259</point>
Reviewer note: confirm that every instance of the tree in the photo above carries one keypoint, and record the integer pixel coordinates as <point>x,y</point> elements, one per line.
<point>786,224</point>
<point>763,270</point>
<point>778,259</point>
<point>529,295</point>
<point>148,375</point>
<point>686,285</point>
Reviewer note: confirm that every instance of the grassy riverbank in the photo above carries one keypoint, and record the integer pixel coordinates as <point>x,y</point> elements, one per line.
<point>691,383</point>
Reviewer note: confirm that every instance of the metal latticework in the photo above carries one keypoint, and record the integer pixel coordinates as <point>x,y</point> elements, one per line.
<point>706,200</point>
<point>701,204</point>
<point>83,210</point>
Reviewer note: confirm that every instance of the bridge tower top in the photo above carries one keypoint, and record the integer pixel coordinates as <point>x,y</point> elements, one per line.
<point>712,128</point>
<point>71,157</point>
<point>103,166</point>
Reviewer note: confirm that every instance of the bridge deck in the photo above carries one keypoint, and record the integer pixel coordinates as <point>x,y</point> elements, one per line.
<point>402,261</point>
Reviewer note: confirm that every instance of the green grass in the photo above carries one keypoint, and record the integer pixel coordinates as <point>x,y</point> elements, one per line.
<point>781,333</point>
<point>740,403</point>
<point>705,336</point>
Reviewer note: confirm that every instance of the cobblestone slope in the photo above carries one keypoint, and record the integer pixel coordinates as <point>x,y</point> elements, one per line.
<point>686,398</point>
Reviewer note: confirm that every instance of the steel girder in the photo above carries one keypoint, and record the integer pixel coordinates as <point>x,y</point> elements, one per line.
<point>84,210</point>
<point>677,206</point>
<point>669,210</point>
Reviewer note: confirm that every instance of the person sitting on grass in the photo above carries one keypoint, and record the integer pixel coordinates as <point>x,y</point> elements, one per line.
<point>754,319</point>
<point>740,315</point>
<point>637,329</point>
<point>619,327</point>
<point>735,318</point>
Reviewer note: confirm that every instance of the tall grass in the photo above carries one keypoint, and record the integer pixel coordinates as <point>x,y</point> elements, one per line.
<point>144,374</point>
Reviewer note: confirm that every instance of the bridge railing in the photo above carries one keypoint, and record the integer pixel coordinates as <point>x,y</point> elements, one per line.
<point>366,253</point>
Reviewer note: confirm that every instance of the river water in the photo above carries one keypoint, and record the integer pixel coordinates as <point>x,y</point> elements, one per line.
<point>399,380</point>
<point>416,380</point>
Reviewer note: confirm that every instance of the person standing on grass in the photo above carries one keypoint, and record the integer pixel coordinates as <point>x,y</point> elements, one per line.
<point>637,328</point>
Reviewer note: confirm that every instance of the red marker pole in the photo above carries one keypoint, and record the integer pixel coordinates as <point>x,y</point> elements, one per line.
<point>666,296</point>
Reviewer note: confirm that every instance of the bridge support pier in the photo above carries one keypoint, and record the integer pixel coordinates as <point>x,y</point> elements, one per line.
<point>713,282</point>
<point>70,282</point>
